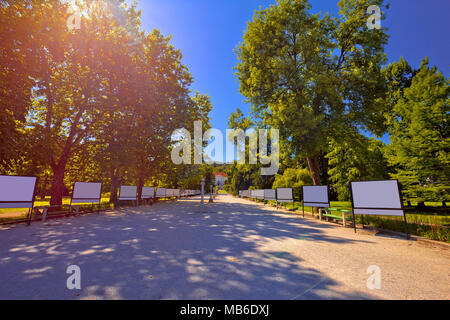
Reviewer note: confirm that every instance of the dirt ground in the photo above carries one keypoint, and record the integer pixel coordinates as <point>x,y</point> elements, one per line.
<point>231,249</point>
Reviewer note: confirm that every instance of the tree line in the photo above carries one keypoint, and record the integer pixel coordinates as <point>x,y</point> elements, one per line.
<point>95,103</point>
<point>325,83</point>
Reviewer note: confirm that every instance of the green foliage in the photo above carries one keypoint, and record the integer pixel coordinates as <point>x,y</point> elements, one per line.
<point>355,159</point>
<point>293,178</point>
<point>398,76</point>
<point>242,177</point>
<point>310,75</point>
<point>190,177</point>
<point>237,120</point>
<point>420,140</point>
<point>28,28</point>
<point>102,101</point>
<point>245,176</point>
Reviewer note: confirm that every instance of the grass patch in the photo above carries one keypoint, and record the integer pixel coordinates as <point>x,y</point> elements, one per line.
<point>11,215</point>
<point>46,202</point>
<point>432,225</point>
<point>433,231</point>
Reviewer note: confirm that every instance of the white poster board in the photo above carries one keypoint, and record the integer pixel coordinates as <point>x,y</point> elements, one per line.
<point>316,196</point>
<point>148,193</point>
<point>253,194</point>
<point>270,194</point>
<point>161,193</point>
<point>17,192</point>
<point>260,194</point>
<point>285,195</point>
<point>128,193</point>
<point>377,198</point>
<point>87,192</point>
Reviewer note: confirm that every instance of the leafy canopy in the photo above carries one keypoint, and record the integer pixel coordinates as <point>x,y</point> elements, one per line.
<point>309,75</point>
<point>420,137</point>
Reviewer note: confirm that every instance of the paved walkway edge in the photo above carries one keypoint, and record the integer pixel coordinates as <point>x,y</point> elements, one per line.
<point>375,230</point>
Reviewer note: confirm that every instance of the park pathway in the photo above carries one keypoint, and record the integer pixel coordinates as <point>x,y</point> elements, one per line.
<point>231,249</point>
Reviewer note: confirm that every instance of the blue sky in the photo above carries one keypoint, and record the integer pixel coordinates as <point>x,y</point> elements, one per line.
<point>207,31</point>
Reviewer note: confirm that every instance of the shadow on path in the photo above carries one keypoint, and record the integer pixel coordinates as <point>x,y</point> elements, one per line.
<point>177,250</point>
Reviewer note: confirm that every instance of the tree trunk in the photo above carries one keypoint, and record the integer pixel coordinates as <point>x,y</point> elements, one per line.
<point>421,205</point>
<point>57,189</point>
<point>314,168</point>
<point>114,185</point>
<point>140,185</point>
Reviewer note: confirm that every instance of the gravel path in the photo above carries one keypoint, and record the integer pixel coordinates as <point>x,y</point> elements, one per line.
<point>232,249</point>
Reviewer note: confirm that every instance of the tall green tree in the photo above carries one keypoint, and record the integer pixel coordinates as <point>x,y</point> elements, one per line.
<point>144,109</point>
<point>398,77</point>
<point>29,30</point>
<point>243,176</point>
<point>153,149</point>
<point>294,178</point>
<point>106,91</point>
<point>356,158</point>
<point>310,75</point>
<point>420,137</point>
<point>70,96</point>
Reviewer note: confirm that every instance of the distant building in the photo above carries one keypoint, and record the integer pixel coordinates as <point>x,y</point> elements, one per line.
<point>220,179</point>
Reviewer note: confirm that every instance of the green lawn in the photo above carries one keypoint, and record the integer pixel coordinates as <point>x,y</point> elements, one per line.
<point>46,202</point>
<point>431,225</point>
<point>9,215</point>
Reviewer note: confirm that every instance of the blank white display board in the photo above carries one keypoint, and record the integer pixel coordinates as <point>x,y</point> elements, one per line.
<point>316,196</point>
<point>377,198</point>
<point>246,193</point>
<point>284,195</point>
<point>17,192</point>
<point>254,194</point>
<point>270,194</point>
<point>87,192</point>
<point>260,194</point>
<point>148,193</point>
<point>161,193</point>
<point>128,193</point>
